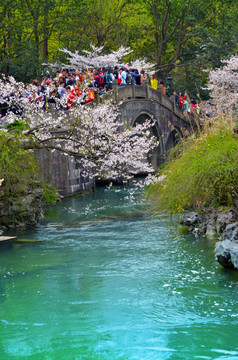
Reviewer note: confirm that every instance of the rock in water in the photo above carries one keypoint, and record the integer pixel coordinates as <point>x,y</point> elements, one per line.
<point>211,232</point>
<point>226,253</point>
<point>189,218</point>
<point>231,232</point>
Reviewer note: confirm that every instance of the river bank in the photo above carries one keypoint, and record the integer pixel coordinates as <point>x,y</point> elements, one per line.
<point>218,224</point>
<point>25,210</point>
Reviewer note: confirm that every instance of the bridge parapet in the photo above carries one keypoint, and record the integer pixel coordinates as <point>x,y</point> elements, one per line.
<point>129,92</point>
<point>146,92</point>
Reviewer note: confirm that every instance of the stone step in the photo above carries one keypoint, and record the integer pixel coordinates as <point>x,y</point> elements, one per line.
<point>7,239</point>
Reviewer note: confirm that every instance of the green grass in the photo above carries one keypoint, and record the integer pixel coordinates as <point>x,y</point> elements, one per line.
<point>202,171</point>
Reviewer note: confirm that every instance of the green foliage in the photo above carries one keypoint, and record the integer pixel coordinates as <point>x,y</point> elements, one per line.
<point>202,172</point>
<point>49,194</point>
<point>181,37</point>
<point>17,125</point>
<point>19,170</point>
<point>17,165</point>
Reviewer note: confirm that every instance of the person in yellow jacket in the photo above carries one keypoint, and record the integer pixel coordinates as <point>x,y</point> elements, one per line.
<point>154,83</point>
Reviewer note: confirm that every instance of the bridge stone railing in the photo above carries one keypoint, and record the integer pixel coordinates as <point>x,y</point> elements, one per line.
<point>120,93</point>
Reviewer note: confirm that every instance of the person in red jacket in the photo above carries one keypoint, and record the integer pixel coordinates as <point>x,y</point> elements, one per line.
<point>182,99</point>
<point>76,90</point>
<point>70,98</point>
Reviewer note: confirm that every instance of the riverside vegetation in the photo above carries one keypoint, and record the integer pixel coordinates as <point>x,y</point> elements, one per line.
<point>202,171</point>
<point>23,190</point>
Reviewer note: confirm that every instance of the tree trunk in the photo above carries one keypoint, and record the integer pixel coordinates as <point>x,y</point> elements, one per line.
<point>45,52</point>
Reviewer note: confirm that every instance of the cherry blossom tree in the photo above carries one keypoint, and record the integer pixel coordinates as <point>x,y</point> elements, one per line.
<point>95,58</point>
<point>142,64</point>
<point>223,84</point>
<point>108,148</point>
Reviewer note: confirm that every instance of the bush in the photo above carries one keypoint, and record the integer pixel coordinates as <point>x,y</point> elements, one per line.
<point>202,171</point>
<point>17,125</point>
<point>49,194</point>
<point>19,170</point>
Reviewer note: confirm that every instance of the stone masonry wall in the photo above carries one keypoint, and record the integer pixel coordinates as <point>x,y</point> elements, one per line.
<point>63,171</point>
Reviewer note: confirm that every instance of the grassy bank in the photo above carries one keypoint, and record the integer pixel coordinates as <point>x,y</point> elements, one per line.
<point>202,171</point>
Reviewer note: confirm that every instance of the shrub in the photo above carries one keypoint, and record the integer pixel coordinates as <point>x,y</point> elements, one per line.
<point>19,170</point>
<point>49,194</point>
<point>17,125</point>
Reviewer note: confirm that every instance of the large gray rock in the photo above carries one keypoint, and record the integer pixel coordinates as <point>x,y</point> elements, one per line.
<point>224,218</point>
<point>21,212</point>
<point>231,232</point>
<point>226,253</point>
<point>189,219</point>
<point>235,201</point>
<point>217,223</point>
<point>211,232</point>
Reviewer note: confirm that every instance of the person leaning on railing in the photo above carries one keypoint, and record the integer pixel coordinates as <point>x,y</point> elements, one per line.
<point>161,84</point>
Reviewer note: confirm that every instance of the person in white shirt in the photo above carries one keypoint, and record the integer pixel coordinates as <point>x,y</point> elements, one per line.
<point>122,76</point>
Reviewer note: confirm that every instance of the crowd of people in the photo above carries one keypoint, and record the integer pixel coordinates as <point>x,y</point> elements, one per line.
<point>190,106</point>
<point>181,101</point>
<point>67,86</point>
<point>70,85</point>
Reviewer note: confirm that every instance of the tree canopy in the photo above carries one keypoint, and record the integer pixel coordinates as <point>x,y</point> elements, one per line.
<point>180,37</point>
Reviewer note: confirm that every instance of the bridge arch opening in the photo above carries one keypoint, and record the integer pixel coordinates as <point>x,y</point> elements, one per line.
<point>156,157</point>
<point>174,138</point>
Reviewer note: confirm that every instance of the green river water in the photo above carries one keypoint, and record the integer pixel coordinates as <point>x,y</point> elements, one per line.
<point>108,280</point>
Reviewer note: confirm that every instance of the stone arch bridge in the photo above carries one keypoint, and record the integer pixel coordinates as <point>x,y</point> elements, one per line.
<point>136,104</point>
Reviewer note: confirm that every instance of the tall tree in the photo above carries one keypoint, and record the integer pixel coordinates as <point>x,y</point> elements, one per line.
<point>31,32</point>
<point>105,18</point>
<point>179,35</point>
<point>176,23</point>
